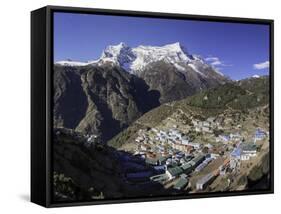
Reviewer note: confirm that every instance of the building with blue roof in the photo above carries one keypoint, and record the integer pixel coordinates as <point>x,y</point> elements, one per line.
<point>260,134</point>
<point>236,153</point>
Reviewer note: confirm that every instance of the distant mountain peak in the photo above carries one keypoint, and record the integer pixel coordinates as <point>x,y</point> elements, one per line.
<point>115,50</point>
<point>135,59</point>
<point>172,47</point>
<point>117,47</point>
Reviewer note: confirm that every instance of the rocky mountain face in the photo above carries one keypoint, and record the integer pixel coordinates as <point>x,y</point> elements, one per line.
<point>174,84</point>
<point>100,100</point>
<point>104,96</point>
<point>70,101</point>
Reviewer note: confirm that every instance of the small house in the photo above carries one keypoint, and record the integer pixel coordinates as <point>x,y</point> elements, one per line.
<point>182,182</point>
<point>174,172</point>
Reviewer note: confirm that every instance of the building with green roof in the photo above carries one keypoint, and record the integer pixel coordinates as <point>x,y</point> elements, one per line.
<point>173,172</point>
<point>182,182</point>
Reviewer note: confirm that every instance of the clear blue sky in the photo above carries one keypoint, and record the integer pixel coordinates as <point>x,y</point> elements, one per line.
<point>238,47</point>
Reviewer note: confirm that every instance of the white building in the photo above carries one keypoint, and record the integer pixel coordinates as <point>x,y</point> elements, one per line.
<point>185,142</point>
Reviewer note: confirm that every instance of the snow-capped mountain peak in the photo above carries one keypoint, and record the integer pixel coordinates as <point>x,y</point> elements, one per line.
<point>174,50</point>
<point>172,53</point>
<point>114,50</point>
<point>135,60</point>
<point>119,54</point>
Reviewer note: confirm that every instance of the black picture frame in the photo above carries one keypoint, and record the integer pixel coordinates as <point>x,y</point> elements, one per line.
<point>41,101</point>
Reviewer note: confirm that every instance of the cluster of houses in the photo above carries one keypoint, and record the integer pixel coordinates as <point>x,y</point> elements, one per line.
<point>206,126</point>
<point>232,137</point>
<point>173,138</point>
<point>173,156</point>
<point>185,168</point>
<point>243,152</point>
<point>181,171</point>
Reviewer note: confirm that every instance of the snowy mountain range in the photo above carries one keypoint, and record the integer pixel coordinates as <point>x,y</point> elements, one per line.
<point>135,60</point>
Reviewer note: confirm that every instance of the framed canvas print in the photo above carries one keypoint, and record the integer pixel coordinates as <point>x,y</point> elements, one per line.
<point>138,106</point>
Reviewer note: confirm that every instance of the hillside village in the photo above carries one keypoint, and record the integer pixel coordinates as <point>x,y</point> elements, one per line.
<point>191,157</point>
<point>181,147</point>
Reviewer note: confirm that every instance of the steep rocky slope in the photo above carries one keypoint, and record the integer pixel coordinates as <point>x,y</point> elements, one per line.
<point>100,100</point>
